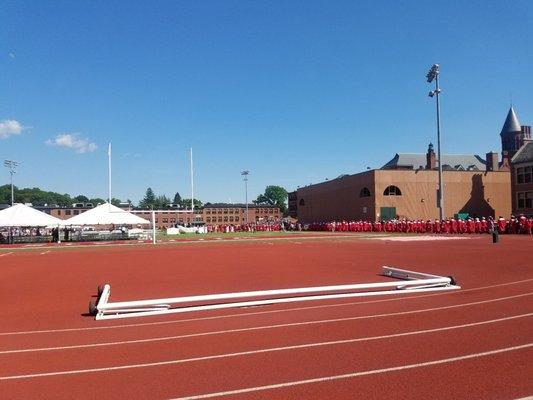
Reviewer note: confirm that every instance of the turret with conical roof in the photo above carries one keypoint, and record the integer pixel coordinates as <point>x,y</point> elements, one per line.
<point>513,134</point>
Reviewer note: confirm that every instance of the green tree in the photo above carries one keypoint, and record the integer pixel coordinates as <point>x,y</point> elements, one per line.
<point>81,199</point>
<point>148,200</point>
<point>162,202</point>
<point>96,201</point>
<point>274,196</point>
<point>177,199</point>
<point>186,203</point>
<point>115,201</point>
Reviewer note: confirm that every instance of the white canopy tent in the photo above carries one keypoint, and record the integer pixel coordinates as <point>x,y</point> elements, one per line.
<point>20,215</point>
<point>106,214</point>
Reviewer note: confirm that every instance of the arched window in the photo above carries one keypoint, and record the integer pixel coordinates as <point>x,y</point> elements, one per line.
<point>302,202</point>
<point>392,191</point>
<point>364,192</point>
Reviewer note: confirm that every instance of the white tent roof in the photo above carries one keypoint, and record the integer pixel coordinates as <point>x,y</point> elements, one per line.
<point>22,215</point>
<point>106,214</point>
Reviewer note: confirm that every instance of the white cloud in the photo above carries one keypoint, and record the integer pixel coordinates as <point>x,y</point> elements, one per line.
<point>10,127</point>
<point>73,141</point>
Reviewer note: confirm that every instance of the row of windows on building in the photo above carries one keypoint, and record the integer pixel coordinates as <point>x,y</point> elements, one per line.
<point>524,200</point>
<point>524,174</point>
<point>231,218</point>
<point>365,192</point>
<point>239,211</point>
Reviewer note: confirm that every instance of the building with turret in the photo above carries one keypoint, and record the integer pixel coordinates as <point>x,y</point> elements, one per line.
<point>406,186</point>
<point>517,146</point>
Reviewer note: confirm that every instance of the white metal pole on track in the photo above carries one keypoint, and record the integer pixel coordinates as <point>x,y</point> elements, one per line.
<point>411,282</point>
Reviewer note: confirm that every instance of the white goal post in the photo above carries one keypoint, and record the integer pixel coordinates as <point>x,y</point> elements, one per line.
<point>411,282</point>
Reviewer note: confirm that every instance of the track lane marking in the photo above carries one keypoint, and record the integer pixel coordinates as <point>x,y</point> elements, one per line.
<point>255,328</point>
<point>91,328</point>
<point>356,374</point>
<point>6,254</point>
<point>261,351</point>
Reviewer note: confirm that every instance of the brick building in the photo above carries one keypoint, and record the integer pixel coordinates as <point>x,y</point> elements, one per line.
<point>406,186</point>
<point>228,214</point>
<point>518,145</point>
<point>210,214</point>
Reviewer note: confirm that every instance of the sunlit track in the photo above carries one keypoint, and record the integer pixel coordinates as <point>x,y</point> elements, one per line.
<point>267,327</point>
<point>268,350</point>
<point>285,310</point>
<point>475,341</point>
<point>356,374</point>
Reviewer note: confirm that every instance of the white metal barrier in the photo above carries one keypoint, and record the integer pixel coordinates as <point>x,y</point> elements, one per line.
<point>411,282</point>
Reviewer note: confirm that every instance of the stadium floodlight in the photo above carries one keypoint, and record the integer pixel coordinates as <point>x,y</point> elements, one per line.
<point>433,75</point>
<point>245,175</point>
<point>11,165</point>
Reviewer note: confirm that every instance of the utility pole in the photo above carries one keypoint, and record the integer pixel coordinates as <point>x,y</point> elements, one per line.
<point>11,165</point>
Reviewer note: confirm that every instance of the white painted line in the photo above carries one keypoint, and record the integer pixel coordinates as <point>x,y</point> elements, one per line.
<point>255,328</point>
<point>356,374</point>
<point>6,254</point>
<point>46,252</point>
<point>92,328</point>
<point>259,351</point>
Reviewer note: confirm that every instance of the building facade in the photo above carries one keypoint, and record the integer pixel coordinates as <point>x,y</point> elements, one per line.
<point>406,186</point>
<point>210,214</point>
<point>235,214</point>
<point>522,180</point>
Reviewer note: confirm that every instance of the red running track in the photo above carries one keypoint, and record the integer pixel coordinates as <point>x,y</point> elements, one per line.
<point>467,344</point>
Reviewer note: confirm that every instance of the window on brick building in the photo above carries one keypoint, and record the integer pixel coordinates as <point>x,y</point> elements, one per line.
<point>76,212</point>
<point>365,192</point>
<point>392,191</point>
<point>524,174</point>
<point>302,202</point>
<point>525,200</point>
<point>67,212</point>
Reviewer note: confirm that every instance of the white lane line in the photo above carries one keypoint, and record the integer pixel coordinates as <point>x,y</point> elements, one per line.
<point>92,328</point>
<point>255,328</point>
<point>6,254</point>
<point>356,374</point>
<point>259,351</point>
<point>46,252</point>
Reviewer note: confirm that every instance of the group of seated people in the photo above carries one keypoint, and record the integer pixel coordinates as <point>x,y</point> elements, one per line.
<point>515,225</point>
<point>252,227</point>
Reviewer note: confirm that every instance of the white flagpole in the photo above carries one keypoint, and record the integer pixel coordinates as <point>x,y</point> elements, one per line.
<point>192,187</point>
<point>109,161</point>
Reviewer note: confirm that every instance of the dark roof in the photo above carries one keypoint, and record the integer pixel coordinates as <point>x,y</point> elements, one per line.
<point>452,161</point>
<point>511,123</point>
<point>524,154</point>
<point>237,205</point>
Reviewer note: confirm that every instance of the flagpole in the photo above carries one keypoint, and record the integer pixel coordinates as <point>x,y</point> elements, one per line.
<point>109,170</point>
<point>192,187</point>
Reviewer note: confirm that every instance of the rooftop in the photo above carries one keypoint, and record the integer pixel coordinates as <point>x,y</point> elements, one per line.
<point>458,162</point>
<point>524,154</point>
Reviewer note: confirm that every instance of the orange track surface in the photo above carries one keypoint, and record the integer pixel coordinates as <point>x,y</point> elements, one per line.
<point>473,343</point>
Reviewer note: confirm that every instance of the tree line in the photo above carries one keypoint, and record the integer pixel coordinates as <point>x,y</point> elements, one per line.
<point>273,195</point>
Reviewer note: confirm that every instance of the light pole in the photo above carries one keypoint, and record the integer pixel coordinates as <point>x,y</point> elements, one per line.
<point>433,74</point>
<point>11,165</point>
<point>245,174</point>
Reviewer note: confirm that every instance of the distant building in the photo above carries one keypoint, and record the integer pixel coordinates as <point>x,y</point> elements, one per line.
<point>210,214</point>
<point>406,186</point>
<point>235,214</point>
<point>522,180</point>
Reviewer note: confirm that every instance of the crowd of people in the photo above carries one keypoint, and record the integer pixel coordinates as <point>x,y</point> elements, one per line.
<point>251,227</point>
<point>515,225</point>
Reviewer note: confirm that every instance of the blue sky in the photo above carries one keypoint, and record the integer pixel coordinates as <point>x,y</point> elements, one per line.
<point>294,91</point>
